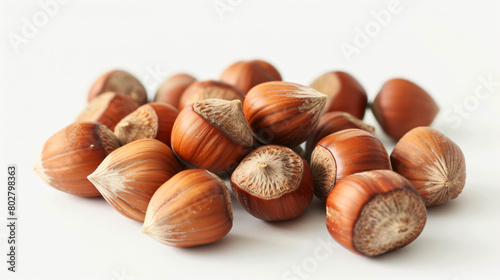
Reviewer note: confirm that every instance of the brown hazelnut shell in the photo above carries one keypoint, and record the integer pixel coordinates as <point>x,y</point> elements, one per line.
<point>129,176</point>
<point>121,82</point>
<point>212,134</point>
<point>72,154</point>
<point>244,75</point>
<point>401,105</point>
<point>108,109</point>
<point>432,162</point>
<point>374,212</point>
<point>344,153</point>
<point>152,120</point>
<point>344,93</point>
<point>273,183</point>
<point>283,113</point>
<point>207,90</point>
<point>332,122</point>
<point>191,209</point>
<point>171,89</point>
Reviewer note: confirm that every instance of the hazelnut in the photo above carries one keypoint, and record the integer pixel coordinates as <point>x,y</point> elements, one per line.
<point>432,162</point>
<point>283,113</point>
<point>401,106</point>
<point>70,155</point>
<point>151,120</point>
<point>212,134</point>
<point>120,82</point>
<point>108,109</point>
<point>332,122</point>
<point>344,153</point>
<point>344,93</point>
<point>209,90</point>
<point>129,176</point>
<point>244,75</point>
<point>192,208</point>
<point>374,212</point>
<point>171,89</point>
<point>273,183</point>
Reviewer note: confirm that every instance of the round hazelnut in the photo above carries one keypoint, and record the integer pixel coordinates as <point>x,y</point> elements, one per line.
<point>374,212</point>
<point>401,106</point>
<point>343,153</point>
<point>244,75</point>
<point>171,89</point>
<point>212,134</point>
<point>129,176</point>
<point>108,109</point>
<point>332,122</point>
<point>273,183</point>
<point>72,154</point>
<point>283,113</point>
<point>432,162</point>
<point>152,120</point>
<point>344,93</point>
<point>192,208</point>
<point>120,82</point>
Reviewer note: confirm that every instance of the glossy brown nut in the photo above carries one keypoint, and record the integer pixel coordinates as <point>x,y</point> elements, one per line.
<point>171,89</point>
<point>283,113</point>
<point>344,93</point>
<point>152,120</point>
<point>212,134</point>
<point>208,90</point>
<point>120,82</point>
<point>108,109</point>
<point>273,183</point>
<point>345,153</point>
<point>332,122</point>
<point>432,162</point>
<point>374,212</point>
<point>244,75</point>
<point>191,209</point>
<point>72,154</point>
<point>401,106</point>
<point>129,176</point>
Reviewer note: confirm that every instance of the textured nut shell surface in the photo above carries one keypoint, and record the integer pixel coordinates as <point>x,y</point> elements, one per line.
<point>432,162</point>
<point>344,92</point>
<point>192,208</point>
<point>209,90</point>
<point>72,154</point>
<point>273,183</point>
<point>283,113</point>
<point>108,109</point>
<point>203,144</point>
<point>122,82</point>
<point>332,122</point>
<point>129,176</point>
<point>153,120</point>
<point>402,209</point>
<point>352,151</point>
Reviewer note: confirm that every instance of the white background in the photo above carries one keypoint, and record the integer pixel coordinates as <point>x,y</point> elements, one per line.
<point>445,46</point>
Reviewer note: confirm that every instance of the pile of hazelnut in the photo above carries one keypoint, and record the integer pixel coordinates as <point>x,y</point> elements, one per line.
<point>161,163</point>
